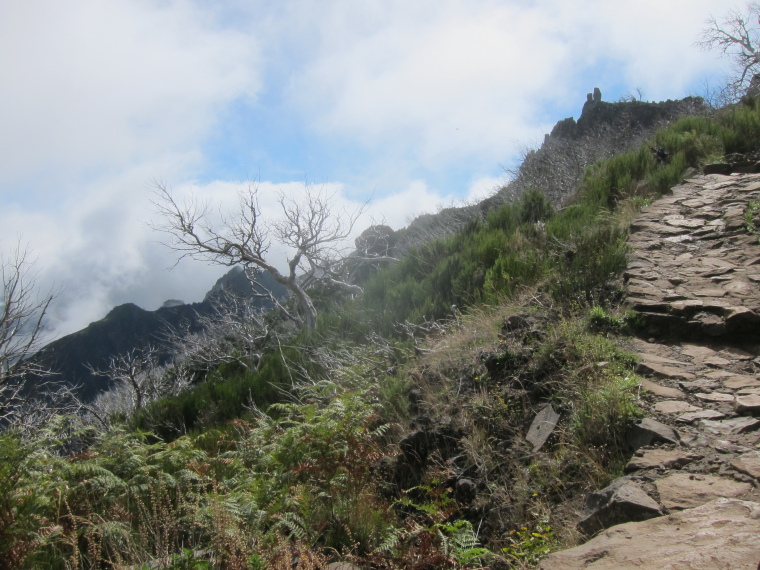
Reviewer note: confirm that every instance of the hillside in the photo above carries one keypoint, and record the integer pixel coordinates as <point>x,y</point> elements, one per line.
<point>463,412</point>
<point>602,130</point>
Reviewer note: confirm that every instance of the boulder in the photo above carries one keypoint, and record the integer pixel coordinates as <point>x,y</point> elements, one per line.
<point>465,490</point>
<point>376,241</point>
<point>621,501</point>
<point>414,447</point>
<point>717,168</point>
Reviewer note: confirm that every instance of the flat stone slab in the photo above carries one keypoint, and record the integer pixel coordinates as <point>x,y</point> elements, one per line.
<point>748,463</point>
<point>675,407</point>
<point>663,458</point>
<point>701,385</point>
<point>657,359</point>
<point>688,539</point>
<point>735,354</point>
<point>542,427</point>
<point>678,220</point>
<point>725,446</point>
<point>719,374</point>
<point>691,417</point>
<point>660,390</point>
<point>732,426</point>
<point>747,404</point>
<point>687,490</point>
<point>697,352</point>
<point>736,382</point>
<point>663,371</point>
<point>714,397</point>
<point>716,361</point>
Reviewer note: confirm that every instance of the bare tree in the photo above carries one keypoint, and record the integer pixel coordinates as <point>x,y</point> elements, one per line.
<point>21,332</point>
<point>736,36</point>
<point>314,230</point>
<point>234,332</point>
<point>136,373</point>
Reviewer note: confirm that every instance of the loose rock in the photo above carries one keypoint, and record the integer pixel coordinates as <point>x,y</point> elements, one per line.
<point>649,431</point>
<point>622,501</point>
<point>542,427</point>
<point>661,458</point>
<point>732,426</point>
<point>747,404</point>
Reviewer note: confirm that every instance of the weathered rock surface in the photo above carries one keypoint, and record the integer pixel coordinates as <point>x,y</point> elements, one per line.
<point>747,404</point>
<point>686,490</point>
<point>721,535</point>
<point>663,458</point>
<point>675,407</point>
<point>691,417</point>
<point>748,463</point>
<point>660,390</point>
<point>732,426</point>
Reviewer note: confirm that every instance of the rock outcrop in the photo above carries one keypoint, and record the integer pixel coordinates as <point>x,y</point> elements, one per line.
<point>556,168</point>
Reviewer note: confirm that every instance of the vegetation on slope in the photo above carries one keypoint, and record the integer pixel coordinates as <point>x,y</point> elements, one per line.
<point>392,436</point>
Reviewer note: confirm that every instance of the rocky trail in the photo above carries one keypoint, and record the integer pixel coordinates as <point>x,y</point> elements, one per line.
<point>691,494</point>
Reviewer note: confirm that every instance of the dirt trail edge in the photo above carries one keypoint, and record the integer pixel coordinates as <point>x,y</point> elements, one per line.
<point>691,498</point>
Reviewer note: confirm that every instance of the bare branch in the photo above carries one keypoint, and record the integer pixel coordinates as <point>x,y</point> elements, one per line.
<point>22,310</point>
<point>138,371</point>
<point>736,36</point>
<point>312,229</point>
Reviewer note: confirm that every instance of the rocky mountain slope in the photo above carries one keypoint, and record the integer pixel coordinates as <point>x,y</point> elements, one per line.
<point>602,130</point>
<point>691,498</point>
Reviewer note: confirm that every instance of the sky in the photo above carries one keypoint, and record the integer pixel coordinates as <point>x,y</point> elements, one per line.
<point>410,104</point>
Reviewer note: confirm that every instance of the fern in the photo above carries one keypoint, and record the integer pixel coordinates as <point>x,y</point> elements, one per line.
<point>462,544</point>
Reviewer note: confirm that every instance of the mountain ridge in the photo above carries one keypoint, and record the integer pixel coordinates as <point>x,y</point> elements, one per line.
<point>127,327</point>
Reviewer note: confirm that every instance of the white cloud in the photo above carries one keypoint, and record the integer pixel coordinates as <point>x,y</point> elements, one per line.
<point>454,81</point>
<point>89,85</point>
<point>483,187</point>
<point>450,80</point>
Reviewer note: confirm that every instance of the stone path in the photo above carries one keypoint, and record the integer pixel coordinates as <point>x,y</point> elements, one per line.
<point>691,498</point>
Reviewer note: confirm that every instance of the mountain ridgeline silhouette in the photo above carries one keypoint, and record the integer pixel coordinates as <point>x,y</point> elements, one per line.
<point>127,327</point>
